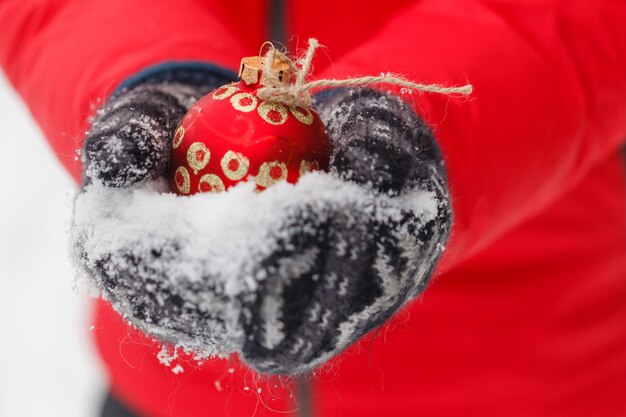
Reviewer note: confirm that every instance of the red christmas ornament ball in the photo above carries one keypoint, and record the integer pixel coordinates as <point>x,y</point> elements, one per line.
<point>231,135</point>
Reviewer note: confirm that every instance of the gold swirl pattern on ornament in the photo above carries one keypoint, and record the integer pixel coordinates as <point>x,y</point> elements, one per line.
<point>198,156</point>
<point>244,102</point>
<point>178,137</point>
<point>270,173</point>
<point>181,178</point>
<point>273,113</point>
<point>308,166</point>
<point>235,165</point>
<point>303,114</point>
<point>224,91</point>
<point>210,183</point>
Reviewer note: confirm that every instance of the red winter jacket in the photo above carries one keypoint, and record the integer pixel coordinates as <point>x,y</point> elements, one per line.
<point>527,315</point>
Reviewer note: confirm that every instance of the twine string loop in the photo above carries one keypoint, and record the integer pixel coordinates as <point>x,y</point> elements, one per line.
<point>298,92</point>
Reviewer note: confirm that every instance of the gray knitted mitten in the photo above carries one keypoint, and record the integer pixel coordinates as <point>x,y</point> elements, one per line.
<point>362,264</point>
<point>129,137</point>
<point>341,268</point>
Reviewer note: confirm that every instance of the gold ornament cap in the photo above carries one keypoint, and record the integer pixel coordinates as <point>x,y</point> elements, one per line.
<point>251,70</point>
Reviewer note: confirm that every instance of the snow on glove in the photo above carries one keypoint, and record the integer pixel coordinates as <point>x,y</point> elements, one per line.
<point>291,276</point>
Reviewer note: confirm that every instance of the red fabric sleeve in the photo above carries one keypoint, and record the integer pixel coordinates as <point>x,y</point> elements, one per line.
<point>65,56</point>
<point>549,99</point>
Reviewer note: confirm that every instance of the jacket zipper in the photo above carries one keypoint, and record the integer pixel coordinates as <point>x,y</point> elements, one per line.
<point>278,34</point>
<point>276,21</point>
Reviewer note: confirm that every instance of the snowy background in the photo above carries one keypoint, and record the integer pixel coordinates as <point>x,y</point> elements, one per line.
<point>48,364</point>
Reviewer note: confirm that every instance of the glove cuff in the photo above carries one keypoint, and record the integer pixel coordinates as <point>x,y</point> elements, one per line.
<point>193,73</point>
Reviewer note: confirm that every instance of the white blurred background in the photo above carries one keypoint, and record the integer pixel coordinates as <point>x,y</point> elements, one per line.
<point>48,364</point>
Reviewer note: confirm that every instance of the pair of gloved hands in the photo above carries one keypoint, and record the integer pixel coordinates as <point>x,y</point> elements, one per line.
<point>339,266</point>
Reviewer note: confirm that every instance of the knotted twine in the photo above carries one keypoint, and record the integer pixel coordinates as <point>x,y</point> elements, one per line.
<point>298,92</point>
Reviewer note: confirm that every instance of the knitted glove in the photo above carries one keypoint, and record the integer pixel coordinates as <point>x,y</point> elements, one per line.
<point>337,267</point>
<point>359,263</point>
<point>128,144</point>
<point>130,137</point>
